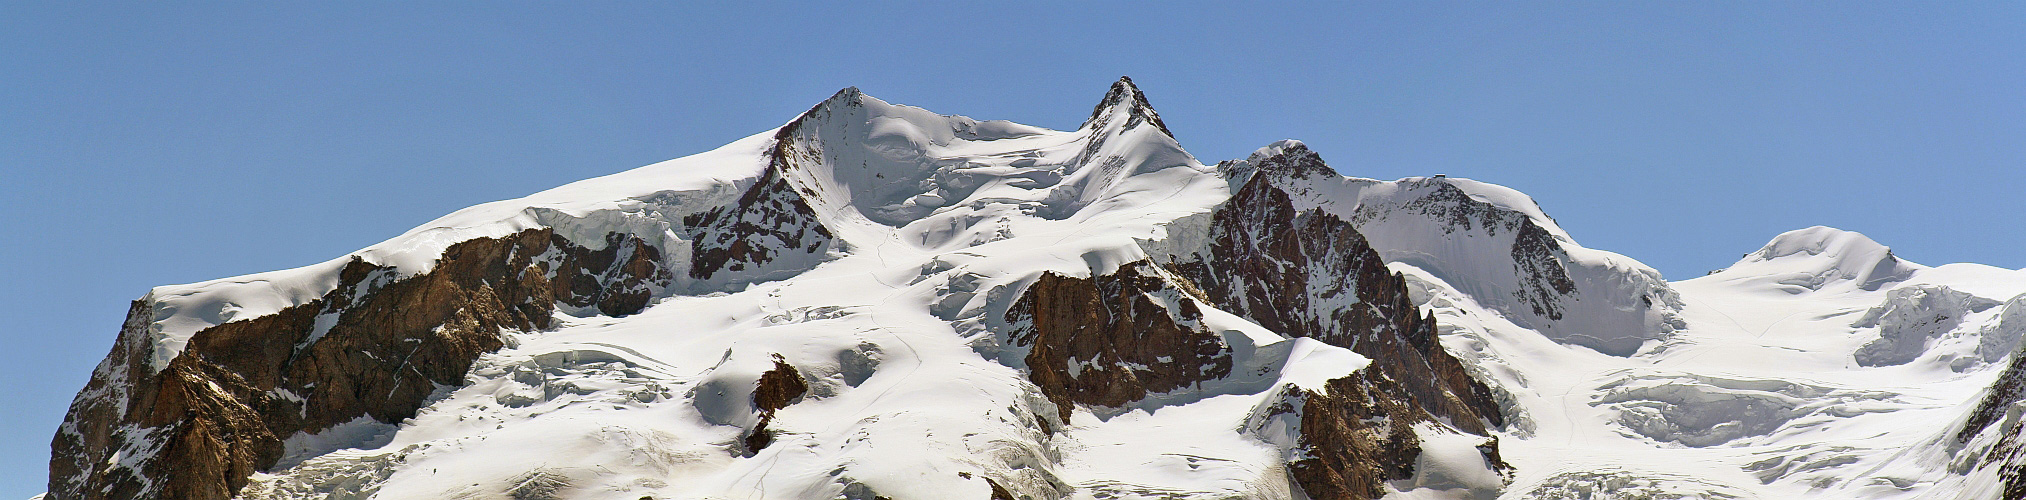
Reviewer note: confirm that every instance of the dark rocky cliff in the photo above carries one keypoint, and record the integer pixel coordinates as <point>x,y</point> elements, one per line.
<point>220,410</point>
<point>1105,341</point>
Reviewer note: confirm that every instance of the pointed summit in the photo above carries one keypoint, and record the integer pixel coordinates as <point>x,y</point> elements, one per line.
<point>1125,99</point>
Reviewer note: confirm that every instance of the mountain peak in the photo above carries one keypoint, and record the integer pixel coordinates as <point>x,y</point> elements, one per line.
<point>1829,254</point>
<point>1291,157</point>
<point>1819,240</point>
<point>1287,157</point>
<point>1124,98</point>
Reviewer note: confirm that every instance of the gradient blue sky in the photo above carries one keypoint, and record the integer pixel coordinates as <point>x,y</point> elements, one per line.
<point>147,144</point>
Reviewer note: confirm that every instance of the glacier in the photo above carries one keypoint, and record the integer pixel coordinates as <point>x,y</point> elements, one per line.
<point>878,301</point>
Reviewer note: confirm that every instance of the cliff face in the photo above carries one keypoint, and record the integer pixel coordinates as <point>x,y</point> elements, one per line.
<point>1106,341</point>
<point>375,347</point>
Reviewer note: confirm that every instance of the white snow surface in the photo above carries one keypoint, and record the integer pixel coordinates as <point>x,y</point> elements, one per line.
<point>1746,383</point>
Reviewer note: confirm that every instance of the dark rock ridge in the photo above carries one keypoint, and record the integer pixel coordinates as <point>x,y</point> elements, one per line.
<point>1353,437</point>
<point>1311,274</point>
<point>777,389</point>
<point>376,346</point>
<point>768,221</point>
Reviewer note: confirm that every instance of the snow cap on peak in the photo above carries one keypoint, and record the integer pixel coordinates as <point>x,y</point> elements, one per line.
<point>1275,149</point>
<point>1124,98</point>
<point>1826,254</point>
<point>1287,157</point>
<point>1820,240</point>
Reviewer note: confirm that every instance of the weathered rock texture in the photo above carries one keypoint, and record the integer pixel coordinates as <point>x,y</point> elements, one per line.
<point>777,389</point>
<point>1105,341</point>
<point>1354,437</point>
<point>1124,93</point>
<point>376,346</point>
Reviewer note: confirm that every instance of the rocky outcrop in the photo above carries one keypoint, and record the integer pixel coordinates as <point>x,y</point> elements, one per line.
<point>770,222</point>
<point>1311,274</point>
<point>377,346</point>
<point>1106,341</point>
<point>1354,437</point>
<point>777,389</point>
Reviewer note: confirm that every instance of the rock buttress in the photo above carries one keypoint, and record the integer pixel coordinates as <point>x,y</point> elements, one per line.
<point>776,389</point>
<point>1354,437</point>
<point>1106,340</point>
<point>376,346</point>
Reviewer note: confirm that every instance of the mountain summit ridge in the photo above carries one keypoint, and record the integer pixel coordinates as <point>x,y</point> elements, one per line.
<point>878,301</point>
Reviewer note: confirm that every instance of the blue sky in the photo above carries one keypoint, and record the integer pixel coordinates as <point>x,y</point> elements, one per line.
<point>148,144</point>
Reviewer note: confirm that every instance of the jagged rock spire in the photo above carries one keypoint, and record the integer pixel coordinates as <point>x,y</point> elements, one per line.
<point>1125,98</point>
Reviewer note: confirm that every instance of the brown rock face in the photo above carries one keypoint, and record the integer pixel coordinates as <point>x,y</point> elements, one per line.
<point>1356,437</point>
<point>1104,341</point>
<point>377,346</point>
<point>777,389</point>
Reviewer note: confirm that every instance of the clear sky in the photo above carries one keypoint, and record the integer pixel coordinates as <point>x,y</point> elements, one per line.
<point>148,144</point>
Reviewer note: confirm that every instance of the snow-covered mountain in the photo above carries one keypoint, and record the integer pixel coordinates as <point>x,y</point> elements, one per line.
<point>877,301</point>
